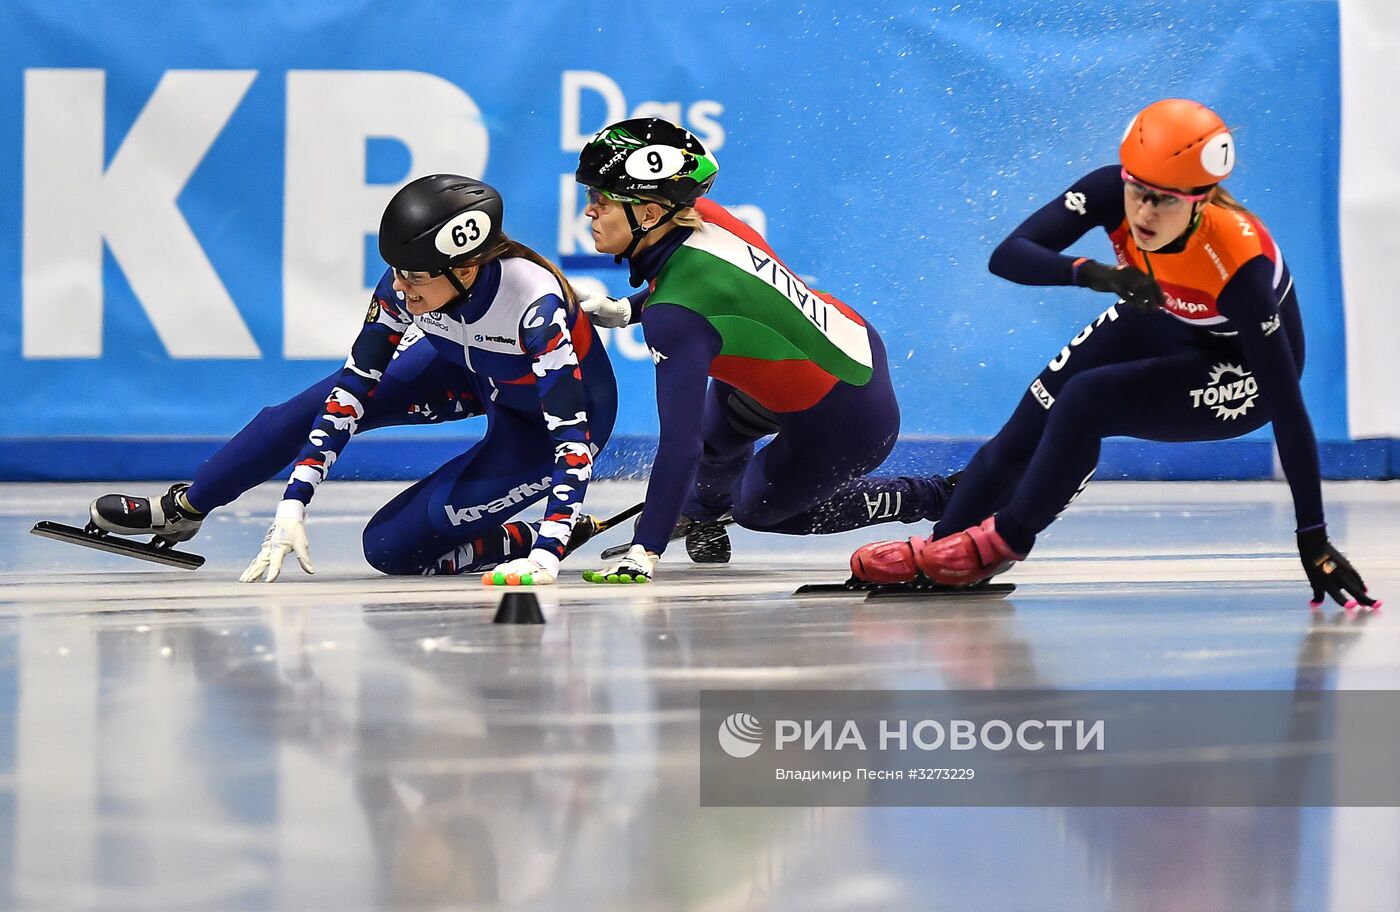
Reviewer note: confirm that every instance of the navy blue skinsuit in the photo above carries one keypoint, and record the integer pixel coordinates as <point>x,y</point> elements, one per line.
<point>510,350</point>
<point>1207,369</point>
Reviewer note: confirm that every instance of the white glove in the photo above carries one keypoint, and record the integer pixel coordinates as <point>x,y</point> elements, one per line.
<point>539,569</point>
<point>602,310</point>
<point>286,534</point>
<point>638,565</point>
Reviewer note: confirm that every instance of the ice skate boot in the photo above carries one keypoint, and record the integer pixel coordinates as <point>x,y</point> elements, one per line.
<point>975,554</point>
<point>705,542</point>
<point>169,517</point>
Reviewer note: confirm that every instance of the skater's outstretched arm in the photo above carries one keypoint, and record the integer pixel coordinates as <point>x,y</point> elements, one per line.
<point>1252,303</point>
<point>683,345</point>
<point>373,349</point>
<point>546,337</point>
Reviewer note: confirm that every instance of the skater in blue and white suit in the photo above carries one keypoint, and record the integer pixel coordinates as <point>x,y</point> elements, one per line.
<point>465,322</point>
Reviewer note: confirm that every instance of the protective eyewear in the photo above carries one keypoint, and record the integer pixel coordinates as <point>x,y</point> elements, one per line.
<point>1158,197</point>
<point>415,278</point>
<point>594,196</point>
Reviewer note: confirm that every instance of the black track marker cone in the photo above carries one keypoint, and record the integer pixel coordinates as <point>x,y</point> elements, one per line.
<point>519,608</point>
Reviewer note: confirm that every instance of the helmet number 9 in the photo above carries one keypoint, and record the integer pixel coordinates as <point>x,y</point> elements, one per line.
<point>464,233</point>
<point>655,162</point>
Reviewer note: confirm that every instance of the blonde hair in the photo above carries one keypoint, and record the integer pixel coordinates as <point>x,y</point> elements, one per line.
<point>689,217</point>
<point>1223,198</point>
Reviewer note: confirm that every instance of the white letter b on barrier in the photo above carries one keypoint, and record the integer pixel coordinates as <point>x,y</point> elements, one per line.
<point>329,209</point>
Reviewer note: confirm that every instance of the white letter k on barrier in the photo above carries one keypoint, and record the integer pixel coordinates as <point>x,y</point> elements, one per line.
<point>72,204</point>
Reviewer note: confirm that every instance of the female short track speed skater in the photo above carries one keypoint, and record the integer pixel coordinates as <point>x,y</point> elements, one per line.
<point>1205,343</point>
<point>785,360</point>
<point>465,322</point>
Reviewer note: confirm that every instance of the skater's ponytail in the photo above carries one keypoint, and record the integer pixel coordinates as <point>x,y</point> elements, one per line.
<point>1221,197</point>
<point>507,247</point>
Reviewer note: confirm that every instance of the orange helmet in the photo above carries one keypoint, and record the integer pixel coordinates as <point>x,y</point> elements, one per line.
<point>1179,144</point>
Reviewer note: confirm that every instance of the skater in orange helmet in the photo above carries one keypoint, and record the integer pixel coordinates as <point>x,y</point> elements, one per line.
<point>1204,342</point>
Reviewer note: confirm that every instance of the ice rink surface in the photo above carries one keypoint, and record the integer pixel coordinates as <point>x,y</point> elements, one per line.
<point>174,740</point>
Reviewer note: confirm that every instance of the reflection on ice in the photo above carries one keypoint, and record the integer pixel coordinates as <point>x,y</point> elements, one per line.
<point>357,742</point>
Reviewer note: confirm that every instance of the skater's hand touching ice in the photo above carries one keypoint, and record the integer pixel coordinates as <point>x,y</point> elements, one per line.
<point>1330,573</point>
<point>539,569</point>
<point>638,565</point>
<point>286,535</point>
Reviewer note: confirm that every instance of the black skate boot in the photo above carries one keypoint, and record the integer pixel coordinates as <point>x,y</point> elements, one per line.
<point>168,517</point>
<point>705,542</point>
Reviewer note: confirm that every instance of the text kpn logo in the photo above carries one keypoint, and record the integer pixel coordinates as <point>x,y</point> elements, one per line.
<point>741,735</point>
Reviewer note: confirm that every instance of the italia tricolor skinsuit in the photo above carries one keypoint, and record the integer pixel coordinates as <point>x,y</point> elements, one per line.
<point>784,359</point>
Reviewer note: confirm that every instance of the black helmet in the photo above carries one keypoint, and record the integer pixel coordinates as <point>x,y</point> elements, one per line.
<point>440,221</point>
<point>647,156</point>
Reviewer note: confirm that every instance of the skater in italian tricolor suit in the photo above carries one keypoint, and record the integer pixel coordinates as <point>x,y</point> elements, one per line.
<point>1204,343</point>
<point>465,322</point>
<point>743,350</point>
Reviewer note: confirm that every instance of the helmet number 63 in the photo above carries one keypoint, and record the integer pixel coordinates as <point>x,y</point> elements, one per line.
<point>464,233</point>
<point>461,238</point>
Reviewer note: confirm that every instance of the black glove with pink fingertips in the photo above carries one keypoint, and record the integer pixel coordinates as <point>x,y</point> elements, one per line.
<point>1330,573</point>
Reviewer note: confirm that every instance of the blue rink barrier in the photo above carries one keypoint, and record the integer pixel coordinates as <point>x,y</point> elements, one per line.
<point>629,456</point>
<point>165,290</point>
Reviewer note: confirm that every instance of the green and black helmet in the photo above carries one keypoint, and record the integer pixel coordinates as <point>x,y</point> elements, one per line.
<point>647,159</point>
